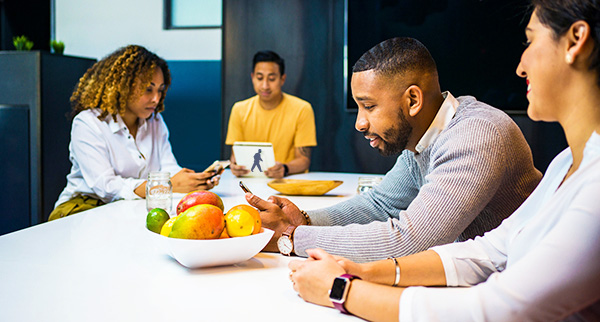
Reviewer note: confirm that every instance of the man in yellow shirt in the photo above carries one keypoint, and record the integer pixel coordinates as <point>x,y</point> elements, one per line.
<point>286,121</point>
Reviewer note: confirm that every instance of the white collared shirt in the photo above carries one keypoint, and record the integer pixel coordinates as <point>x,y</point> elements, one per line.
<point>542,263</point>
<point>108,163</point>
<point>441,120</point>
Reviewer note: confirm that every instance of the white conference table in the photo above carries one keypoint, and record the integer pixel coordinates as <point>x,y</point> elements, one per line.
<point>103,265</point>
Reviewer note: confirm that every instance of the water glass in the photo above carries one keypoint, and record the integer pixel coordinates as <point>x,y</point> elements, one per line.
<point>367,183</point>
<point>159,191</point>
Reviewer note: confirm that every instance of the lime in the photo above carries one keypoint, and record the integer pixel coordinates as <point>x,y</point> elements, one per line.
<point>156,218</point>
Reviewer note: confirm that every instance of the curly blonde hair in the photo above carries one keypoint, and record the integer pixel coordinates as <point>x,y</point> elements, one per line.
<point>112,83</point>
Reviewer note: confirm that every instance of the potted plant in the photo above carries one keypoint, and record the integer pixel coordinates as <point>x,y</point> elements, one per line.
<point>58,47</point>
<point>22,43</point>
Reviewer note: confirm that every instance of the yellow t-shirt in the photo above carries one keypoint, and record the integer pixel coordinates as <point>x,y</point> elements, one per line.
<point>288,126</point>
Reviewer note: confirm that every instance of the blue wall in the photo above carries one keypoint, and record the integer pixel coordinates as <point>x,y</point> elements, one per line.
<point>193,112</point>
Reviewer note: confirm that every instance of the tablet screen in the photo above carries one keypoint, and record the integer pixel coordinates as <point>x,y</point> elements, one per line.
<point>255,156</point>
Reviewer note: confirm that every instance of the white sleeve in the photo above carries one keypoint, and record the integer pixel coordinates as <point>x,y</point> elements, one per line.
<point>473,261</point>
<point>91,150</point>
<point>559,275</point>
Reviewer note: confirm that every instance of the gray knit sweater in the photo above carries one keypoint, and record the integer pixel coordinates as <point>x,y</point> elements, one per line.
<point>472,176</point>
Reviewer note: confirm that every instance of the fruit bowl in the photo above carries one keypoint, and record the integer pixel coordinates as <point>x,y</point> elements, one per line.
<point>303,187</point>
<point>196,253</point>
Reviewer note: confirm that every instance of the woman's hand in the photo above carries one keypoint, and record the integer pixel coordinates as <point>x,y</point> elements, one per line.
<point>187,180</point>
<point>313,278</point>
<point>351,267</point>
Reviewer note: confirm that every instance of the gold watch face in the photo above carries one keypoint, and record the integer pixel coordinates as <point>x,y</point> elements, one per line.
<point>285,245</point>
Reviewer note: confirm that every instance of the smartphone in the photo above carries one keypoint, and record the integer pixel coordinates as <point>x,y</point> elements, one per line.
<point>243,186</point>
<point>217,167</point>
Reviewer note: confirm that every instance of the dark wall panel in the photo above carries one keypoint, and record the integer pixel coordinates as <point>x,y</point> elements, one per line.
<point>25,17</point>
<point>43,83</point>
<point>14,167</point>
<point>59,75</point>
<point>476,44</point>
<point>193,112</point>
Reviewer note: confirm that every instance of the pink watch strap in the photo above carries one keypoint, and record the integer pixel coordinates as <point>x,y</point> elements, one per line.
<point>340,306</point>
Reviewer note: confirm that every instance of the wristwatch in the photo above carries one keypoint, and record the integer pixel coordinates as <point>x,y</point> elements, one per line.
<point>286,170</point>
<point>339,291</point>
<point>285,242</point>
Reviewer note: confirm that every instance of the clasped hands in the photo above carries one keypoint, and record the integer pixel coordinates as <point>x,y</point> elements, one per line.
<point>312,278</point>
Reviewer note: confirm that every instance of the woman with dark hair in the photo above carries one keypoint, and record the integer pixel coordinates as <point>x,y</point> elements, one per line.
<point>543,262</point>
<point>118,135</point>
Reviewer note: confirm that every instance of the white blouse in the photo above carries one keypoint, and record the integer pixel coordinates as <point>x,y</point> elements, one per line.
<point>108,163</point>
<point>540,264</point>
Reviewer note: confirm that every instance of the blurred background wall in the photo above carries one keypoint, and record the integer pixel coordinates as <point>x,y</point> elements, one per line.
<point>477,45</point>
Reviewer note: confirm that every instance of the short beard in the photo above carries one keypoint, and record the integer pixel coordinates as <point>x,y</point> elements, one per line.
<point>400,136</point>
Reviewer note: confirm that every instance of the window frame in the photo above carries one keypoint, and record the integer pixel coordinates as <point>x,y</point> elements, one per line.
<point>168,21</point>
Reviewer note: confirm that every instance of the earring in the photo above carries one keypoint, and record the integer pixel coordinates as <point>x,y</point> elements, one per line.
<point>569,59</point>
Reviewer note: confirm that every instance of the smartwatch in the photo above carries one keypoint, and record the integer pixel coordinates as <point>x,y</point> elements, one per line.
<point>286,170</point>
<point>285,242</point>
<point>339,291</point>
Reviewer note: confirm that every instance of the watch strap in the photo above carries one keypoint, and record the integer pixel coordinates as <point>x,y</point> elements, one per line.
<point>340,305</point>
<point>288,233</point>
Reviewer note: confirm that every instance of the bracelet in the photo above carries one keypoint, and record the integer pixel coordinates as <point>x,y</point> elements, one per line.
<point>397,278</point>
<point>308,222</point>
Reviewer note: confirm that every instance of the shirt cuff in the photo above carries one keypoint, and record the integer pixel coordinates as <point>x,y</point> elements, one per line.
<point>448,263</point>
<point>319,217</point>
<point>128,188</point>
<point>405,305</point>
<point>304,238</point>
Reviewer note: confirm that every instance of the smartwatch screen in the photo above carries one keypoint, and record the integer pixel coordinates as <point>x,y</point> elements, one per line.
<point>337,290</point>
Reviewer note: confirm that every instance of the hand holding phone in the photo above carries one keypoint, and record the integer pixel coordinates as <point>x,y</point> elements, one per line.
<point>243,186</point>
<point>217,167</point>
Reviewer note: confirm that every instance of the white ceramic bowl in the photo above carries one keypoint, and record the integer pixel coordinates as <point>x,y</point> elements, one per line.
<point>195,253</point>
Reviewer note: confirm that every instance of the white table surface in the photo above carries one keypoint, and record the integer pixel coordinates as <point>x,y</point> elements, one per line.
<point>102,265</point>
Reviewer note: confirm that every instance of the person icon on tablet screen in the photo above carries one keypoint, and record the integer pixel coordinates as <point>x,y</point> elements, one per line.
<point>257,160</point>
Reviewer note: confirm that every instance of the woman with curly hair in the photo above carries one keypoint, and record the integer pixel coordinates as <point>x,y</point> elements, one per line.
<point>118,135</point>
<point>543,262</point>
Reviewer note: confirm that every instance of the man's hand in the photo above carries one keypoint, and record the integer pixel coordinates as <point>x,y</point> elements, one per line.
<point>276,214</point>
<point>236,169</point>
<point>187,180</point>
<point>277,171</point>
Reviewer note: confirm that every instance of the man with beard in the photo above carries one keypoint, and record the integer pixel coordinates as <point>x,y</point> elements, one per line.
<point>463,167</point>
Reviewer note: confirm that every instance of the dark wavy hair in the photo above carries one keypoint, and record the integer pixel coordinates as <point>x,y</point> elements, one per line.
<point>559,15</point>
<point>396,56</point>
<point>110,84</point>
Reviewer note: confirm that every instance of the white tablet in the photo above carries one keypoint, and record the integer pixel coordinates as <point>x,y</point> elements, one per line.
<point>255,156</point>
